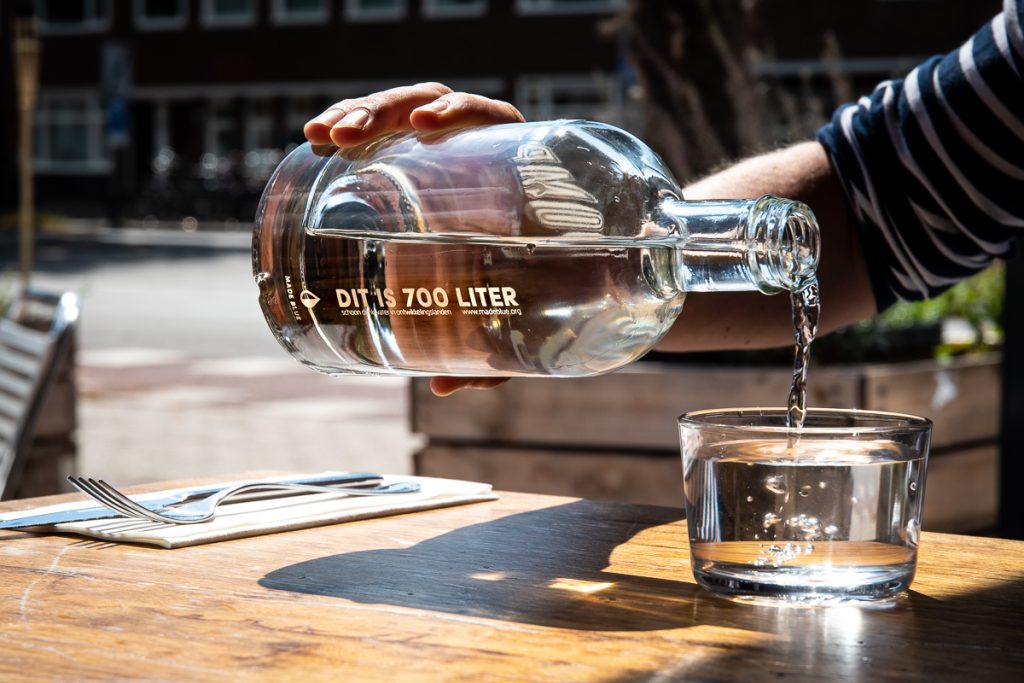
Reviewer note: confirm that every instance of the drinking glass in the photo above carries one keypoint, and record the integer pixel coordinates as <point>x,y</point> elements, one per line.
<point>830,513</point>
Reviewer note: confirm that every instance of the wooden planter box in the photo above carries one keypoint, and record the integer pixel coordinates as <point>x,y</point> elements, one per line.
<point>614,437</point>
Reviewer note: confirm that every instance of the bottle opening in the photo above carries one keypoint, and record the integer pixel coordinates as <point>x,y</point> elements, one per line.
<point>788,231</point>
<point>766,244</point>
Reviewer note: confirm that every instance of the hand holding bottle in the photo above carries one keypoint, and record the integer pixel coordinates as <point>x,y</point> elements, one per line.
<point>425,107</point>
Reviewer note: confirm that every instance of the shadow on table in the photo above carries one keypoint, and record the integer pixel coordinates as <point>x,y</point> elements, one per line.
<point>541,567</point>
<point>547,567</point>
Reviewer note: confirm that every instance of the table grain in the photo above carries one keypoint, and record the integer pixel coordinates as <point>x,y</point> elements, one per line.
<point>526,588</point>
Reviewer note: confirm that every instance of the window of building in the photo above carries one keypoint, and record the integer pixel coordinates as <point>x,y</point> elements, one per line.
<point>73,16</point>
<point>258,125</point>
<point>374,10</point>
<point>229,13</point>
<point>262,141</point>
<point>300,11</point>
<point>220,129</point>
<point>445,9</point>
<point>161,15</point>
<point>568,6</point>
<point>69,134</point>
<point>597,97</point>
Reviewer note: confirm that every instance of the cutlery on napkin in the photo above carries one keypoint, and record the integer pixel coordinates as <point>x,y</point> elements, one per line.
<point>252,518</point>
<point>94,510</point>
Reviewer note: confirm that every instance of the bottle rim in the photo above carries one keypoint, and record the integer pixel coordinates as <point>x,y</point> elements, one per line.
<point>789,229</point>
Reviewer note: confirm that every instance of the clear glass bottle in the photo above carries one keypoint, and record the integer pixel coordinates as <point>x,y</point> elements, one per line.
<point>558,248</point>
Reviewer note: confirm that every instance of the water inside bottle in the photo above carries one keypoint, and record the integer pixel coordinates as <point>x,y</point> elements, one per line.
<point>469,305</point>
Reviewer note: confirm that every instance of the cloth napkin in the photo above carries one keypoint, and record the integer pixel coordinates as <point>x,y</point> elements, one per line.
<point>252,518</point>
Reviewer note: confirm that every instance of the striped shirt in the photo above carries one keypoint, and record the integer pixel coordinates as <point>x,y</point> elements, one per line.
<point>933,164</point>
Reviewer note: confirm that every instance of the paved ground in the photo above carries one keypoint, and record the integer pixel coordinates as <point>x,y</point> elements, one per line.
<point>147,414</point>
<point>179,376</point>
<point>190,293</point>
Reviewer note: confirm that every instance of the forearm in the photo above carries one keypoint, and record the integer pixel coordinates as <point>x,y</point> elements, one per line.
<point>753,320</point>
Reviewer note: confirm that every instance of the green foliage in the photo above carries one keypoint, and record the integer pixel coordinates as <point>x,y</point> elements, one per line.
<point>908,331</point>
<point>979,300</point>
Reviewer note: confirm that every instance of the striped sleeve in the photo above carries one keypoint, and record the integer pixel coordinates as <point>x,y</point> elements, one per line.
<point>933,164</point>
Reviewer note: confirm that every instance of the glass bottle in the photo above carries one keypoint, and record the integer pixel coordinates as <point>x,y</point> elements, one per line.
<point>559,248</point>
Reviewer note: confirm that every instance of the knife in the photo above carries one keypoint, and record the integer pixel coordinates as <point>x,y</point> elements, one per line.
<point>83,514</point>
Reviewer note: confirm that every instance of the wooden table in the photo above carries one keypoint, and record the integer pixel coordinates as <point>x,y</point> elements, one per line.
<point>526,588</point>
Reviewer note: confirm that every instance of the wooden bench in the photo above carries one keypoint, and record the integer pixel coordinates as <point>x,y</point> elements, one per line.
<point>36,338</point>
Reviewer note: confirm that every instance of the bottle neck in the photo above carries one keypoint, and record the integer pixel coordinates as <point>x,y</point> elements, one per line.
<point>767,244</point>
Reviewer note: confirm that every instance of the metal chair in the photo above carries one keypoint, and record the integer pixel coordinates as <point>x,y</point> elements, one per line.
<point>35,337</point>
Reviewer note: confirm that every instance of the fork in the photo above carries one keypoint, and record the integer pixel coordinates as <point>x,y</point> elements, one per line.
<point>205,509</point>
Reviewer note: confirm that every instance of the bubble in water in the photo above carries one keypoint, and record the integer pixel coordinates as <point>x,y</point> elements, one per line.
<point>913,486</point>
<point>530,248</point>
<point>806,526</point>
<point>805,490</point>
<point>775,555</point>
<point>831,529</point>
<point>854,499</point>
<point>776,484</point>
<point>750,499</point>
<point>770,519</point>
<point>822,484</point>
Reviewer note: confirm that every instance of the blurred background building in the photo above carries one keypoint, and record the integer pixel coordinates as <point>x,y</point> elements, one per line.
<point>172,114</point>
<point>172,108</point>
